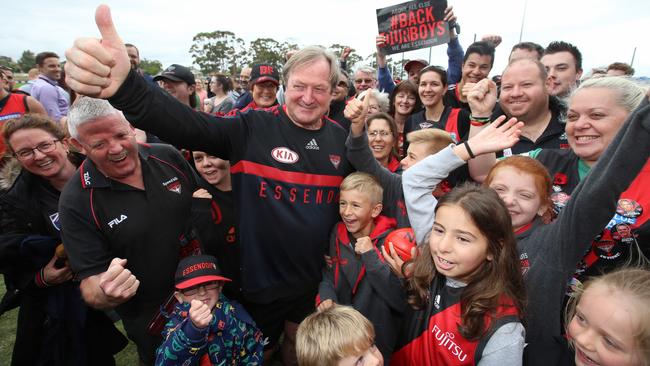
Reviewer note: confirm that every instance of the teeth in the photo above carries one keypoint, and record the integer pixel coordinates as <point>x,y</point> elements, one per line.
<point>586,138</point>
<point>44,164</point>
<point>444,261</point>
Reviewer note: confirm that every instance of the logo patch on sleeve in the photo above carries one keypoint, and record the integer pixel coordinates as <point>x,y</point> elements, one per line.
<point>173,185</point>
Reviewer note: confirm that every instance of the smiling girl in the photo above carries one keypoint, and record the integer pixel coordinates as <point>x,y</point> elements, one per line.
<point>609,320</point>
<point>466,292</point>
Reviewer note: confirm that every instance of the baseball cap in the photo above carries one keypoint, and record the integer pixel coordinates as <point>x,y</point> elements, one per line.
<point>264,72</point>
<point>177,73</point>
<point>197,269</point>
<point>412,63</point>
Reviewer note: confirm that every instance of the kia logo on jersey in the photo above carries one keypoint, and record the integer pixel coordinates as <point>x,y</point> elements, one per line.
<point>284,155</point>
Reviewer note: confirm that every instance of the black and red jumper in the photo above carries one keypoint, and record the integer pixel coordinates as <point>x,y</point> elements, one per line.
<point>365,282</point>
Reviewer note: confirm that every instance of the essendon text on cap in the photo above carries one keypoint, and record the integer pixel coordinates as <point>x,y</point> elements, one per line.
<point>198,267</point>
<point>412,26</point>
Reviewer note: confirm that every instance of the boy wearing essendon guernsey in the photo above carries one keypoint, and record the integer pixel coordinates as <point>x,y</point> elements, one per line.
<point>206,328</point>
<point>358,275</point>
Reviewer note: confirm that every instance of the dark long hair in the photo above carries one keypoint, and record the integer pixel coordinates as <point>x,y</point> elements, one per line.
<point>496,280</point>
<point>405,86</point>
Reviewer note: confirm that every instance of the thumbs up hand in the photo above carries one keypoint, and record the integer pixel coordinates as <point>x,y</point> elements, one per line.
<point>98,67</point>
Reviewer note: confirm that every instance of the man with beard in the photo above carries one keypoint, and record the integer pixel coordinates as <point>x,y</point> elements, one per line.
<point>134,57</point>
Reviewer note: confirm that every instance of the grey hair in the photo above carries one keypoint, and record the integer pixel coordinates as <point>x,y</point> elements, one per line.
<point>629,94</point>
<point>86,110</point>
<point>381,98</point>
<point>309,55</point>
<point>366,70</point>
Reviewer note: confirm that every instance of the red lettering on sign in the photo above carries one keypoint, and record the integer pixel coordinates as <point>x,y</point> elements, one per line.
<point>441,27</point>
<point>292,195</point>
<point>393,22</point>
<point>403,20</point>
<point>305,195</point>
<point>429,15</point>
<point>319,196</point>
<point>420,16</point>
<point>413,33</point>
<point>278,192</point>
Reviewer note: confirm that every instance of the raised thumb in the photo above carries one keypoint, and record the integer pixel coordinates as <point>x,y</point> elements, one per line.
<point>105,25</point>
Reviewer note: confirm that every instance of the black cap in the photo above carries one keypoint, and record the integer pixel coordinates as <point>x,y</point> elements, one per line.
<point>177,73</point>
<point>264,72</point>
<point>197,269</point>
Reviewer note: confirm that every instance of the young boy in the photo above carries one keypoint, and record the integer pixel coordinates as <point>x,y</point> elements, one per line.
<point>358,274</point>
<point>205,327</point>
<point>337,336</point>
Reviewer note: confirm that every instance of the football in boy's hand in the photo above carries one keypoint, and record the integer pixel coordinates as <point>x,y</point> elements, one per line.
<point>403,241</point>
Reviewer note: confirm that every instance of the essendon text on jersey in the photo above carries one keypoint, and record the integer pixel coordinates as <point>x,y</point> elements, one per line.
<point>298,194</point>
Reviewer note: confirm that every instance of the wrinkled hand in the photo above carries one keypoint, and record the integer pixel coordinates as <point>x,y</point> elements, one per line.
<point>493,39</point>
<point>98,67</point>
<point>201,193</point>
<point>363,245</point>
<point>326,304</point>
<point>496,136</point>
<point>118,283</point>
<point>482,98</point>
<point>200,314</point>
<point>54,276</point>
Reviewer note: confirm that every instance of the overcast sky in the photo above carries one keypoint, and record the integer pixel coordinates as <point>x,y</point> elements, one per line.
<point>605,31</point>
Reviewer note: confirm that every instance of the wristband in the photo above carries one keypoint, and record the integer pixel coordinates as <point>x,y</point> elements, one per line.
<point>469,151</point>
<point>481,120</point>
<point>40,279</point>
<point>477,123</point>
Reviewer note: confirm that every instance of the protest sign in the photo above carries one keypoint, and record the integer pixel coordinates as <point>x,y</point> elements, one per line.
<point>413,25</point>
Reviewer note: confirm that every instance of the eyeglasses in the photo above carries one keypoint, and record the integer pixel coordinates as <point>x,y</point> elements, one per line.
<point>44,147</point>
<point>381,133</point>
<point>365,81</point>
<point>206,286</point>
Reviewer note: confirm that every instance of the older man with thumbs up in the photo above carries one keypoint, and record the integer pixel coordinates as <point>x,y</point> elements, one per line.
<point>287,164</point>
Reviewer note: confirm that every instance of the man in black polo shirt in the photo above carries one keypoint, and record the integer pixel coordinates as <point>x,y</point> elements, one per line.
<point>524,95</point>
<point>125,218</point>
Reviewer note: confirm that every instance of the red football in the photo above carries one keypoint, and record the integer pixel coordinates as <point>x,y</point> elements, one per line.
<point>403,241</point>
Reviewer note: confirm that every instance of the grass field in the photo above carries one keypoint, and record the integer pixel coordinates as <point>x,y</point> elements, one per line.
<point>127,357</point>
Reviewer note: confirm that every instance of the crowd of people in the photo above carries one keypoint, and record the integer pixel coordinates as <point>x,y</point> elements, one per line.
<point>313,215</point>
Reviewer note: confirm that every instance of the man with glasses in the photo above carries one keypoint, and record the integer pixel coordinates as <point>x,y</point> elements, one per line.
<point>245,96</point>
<point>365,77</point>
<point>218,330</point>
<point>126,217</point>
